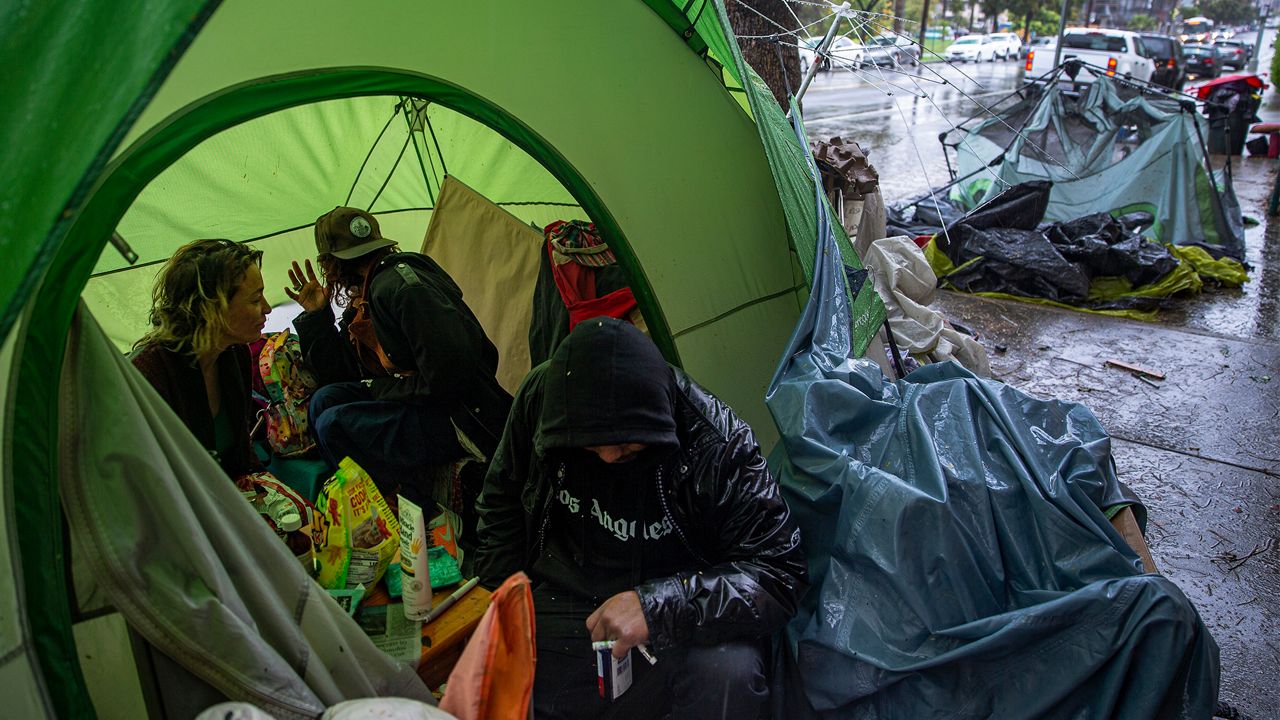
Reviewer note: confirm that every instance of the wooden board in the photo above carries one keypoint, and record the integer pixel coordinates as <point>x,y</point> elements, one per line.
<point>448,634</point>
<point>444,638</point>
<point>1127,524</point>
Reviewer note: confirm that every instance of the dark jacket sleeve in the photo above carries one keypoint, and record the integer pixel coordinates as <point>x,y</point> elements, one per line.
<point>501,531</point>
<point>425,320</point>
<point>326,351</point>
<point>759,569</point>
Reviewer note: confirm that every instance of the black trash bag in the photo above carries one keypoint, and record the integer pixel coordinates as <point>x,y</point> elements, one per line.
<point>1067,231</point>
<point>938,213</point>
<point>1137,222</point>
<point>1104,246</point>
<point>922,218</point>
<point>1020,207</point>
<point>1017,262</point>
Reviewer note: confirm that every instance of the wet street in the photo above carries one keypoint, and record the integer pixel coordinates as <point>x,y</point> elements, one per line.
<point>874,106</point>
<point>1202,448</point>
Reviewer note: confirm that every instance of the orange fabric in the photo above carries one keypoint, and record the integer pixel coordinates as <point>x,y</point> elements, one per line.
<point>493,679</point>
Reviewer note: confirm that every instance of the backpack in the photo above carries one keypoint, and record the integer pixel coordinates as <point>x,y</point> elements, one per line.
<point>288,387</point>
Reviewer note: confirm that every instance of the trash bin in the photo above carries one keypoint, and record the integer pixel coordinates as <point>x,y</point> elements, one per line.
<point>1231,103</point>
<point>1227,132</point>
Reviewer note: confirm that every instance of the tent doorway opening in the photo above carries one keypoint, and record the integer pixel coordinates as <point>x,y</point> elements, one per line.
<point>259,167</point>
<point>460,180</point>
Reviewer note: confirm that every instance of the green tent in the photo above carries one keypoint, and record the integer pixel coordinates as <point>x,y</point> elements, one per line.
<point>135,129</point>
<point>1105,150</point>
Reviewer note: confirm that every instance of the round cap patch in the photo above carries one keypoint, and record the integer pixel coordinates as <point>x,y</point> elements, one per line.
<point>360,227</point>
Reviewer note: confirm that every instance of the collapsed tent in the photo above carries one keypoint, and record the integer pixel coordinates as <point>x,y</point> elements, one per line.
<point>959,547</point>
<point>1104,152</point>
<point>137,132</point>
<point>1100,262</point>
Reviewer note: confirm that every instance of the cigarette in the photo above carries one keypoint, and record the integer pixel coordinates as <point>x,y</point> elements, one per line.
<point>648,655</point>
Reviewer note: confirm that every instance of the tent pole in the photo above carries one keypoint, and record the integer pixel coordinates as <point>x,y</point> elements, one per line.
<point>409,120</point>
<point>893,349</point>
<point>356,181</point>
<point>122,246</point>
<point>942,140</point>
<point>1216,197</point>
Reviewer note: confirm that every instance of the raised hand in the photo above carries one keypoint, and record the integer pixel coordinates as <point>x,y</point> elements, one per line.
<point>307,289</point>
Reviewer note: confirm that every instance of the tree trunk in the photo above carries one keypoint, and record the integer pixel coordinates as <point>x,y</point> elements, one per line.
<point>773,54</point>
<point>899,9</point>
<point>973,8</point>
<point>924,27</point>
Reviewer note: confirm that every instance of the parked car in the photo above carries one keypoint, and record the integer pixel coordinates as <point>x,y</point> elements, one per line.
<point>1008,45</point>
<point>971,48</point>
<point>846,53</point>
<point>1235,53</point>
<point>1203,61</point>
<point>1114,52</point>
<point>893,51</point>
<point>1166,52</point>
<point>808,52</point>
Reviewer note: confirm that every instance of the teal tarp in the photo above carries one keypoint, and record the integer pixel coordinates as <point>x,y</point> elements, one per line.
<point>962,561</point>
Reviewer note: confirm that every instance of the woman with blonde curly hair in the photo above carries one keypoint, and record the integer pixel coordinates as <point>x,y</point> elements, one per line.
<point>207,305</point>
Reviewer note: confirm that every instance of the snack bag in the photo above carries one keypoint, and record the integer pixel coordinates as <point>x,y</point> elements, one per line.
<point>355,534</point>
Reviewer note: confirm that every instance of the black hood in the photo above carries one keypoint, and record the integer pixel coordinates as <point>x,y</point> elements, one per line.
<point>607,384</point>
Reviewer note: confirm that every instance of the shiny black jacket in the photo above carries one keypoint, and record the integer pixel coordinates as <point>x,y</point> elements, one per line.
<point>424,326</point>
<point>715,488</point>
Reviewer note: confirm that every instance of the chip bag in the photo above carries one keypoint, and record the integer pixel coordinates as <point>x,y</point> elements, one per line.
<point>355,533</point>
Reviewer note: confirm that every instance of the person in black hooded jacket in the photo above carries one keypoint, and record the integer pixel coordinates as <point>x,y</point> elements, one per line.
<point>408,376</point>
<point>644,513</point>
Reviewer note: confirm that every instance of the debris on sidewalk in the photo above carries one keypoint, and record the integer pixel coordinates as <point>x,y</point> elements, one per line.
<point>1136,369</point>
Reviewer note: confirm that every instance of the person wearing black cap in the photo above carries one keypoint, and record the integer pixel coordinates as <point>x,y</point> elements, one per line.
<point>408,376</point>
<point>640,506</point>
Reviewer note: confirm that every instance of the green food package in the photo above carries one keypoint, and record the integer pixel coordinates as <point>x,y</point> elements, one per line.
<point>355,533</point>
<point>444,569</point>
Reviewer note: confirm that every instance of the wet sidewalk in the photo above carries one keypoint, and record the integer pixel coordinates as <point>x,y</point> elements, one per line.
<point>1201,447</point>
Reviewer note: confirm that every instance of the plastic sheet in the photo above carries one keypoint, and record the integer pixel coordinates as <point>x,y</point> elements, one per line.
<point>1095,261</point>
<point>959,548</point>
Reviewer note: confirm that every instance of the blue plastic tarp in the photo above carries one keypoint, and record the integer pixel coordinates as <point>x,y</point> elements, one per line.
<point>962,559</point>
